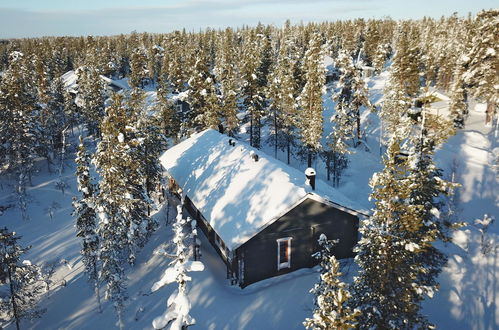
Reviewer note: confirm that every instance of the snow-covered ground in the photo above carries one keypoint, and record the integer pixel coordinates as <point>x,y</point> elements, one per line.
<point>468,298</point>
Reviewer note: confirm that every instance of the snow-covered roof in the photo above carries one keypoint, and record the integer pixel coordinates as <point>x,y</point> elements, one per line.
<point>237,195</point>
<point>70,80</point>
<point>328,62</point>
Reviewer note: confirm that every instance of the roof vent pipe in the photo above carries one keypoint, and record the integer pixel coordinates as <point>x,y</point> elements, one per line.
<point>232,142</point>
<point>310,174</point>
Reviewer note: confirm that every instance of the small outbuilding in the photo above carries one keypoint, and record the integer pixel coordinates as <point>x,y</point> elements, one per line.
<point>263,217</point>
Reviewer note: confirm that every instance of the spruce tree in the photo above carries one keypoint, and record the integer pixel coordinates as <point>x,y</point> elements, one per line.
<point>22,278</point>
<point>86,218</point>
<point>311,107</point>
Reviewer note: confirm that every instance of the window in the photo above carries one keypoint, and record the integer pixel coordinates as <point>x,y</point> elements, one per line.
<point>284,253</point>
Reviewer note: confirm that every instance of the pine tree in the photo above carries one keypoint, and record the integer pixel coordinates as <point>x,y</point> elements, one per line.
<point>138,68</point>
<point>169,121</point>
<point>178,305</point>
<point>254,72</point>
<point>91,92</point>
<point>483,63</point>
<point>52,122</point>
<point>351,96</point>
<point>22,279</point>
<point>19,134</point>
<point>282,94</point>
<point>405,67</point>
<point>114,204</point>
<point>331,310</point>
<point>203,100</point>
<point>149,144</point>
<point>458,103</point>
<point>395,110</point>
<point>226,75</point>
<point>311,98</point>
<point>86,218</point>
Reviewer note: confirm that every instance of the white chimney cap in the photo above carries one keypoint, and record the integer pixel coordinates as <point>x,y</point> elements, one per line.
<point>309,171</point>
<point>252,153</point>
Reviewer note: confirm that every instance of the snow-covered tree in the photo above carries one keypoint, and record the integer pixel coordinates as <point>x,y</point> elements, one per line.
<point>86,218</point>
<point>458,106</point>
<point>19,133</point>
<point>149,142</point>
<point>311,106</point>
<point>226,75</point>
<point>254,69</point>
<point>282,93</point>
<point>138,68</point>
<point>169,121</point>
<point>20,278</point>
<point>398,262</point>
<point>352,94</point>
<point>405,67</point>
<point>395,109</point>
<point>115,202</point>
<point>178,306</point>
<point>483,61</point>
<point>331,294</point>
<point>91,94</point>
<point>202,98</point>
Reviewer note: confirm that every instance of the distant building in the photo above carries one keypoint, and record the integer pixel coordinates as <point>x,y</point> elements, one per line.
<point>263,217</point>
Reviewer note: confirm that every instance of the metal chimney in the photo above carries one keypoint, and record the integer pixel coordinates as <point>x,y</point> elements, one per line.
<point>310,174</point>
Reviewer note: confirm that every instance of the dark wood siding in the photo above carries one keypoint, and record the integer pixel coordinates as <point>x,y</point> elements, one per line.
<point>303,224</point>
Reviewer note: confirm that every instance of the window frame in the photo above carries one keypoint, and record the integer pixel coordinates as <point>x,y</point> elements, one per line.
<point>287,263</point>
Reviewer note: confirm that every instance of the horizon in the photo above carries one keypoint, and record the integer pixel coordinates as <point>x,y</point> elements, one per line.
<point>56,18</point>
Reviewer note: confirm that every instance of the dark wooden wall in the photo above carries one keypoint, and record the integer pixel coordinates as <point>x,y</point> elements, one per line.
<point>304,224</point>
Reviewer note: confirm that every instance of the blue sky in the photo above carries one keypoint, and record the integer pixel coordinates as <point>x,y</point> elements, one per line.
<point>34,18</point>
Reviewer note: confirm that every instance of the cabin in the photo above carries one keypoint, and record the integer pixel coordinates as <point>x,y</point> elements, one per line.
<point>263,217</point>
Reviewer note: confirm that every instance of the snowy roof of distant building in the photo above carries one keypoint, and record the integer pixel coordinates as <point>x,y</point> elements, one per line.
<point>70,80</point>
<point>237,195</point>
<point>328,62</point>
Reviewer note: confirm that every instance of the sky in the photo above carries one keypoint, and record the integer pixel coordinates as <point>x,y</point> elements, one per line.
<point>35,18</point>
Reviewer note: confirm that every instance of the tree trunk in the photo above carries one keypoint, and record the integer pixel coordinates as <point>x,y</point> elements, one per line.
<point>288,147</point>
<point>358,126</point>
<point>328,165</point>
<point>275,133</point>
<point>309,162</point>
<point>13,298</point>
<point>489,113</point>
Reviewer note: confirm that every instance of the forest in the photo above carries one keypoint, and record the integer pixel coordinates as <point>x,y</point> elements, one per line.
<point>264,85</point>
